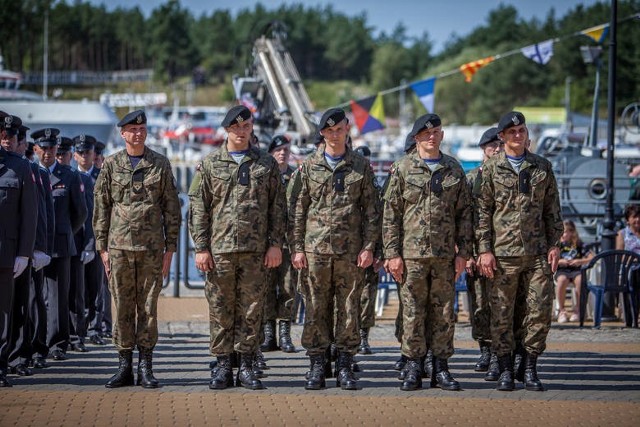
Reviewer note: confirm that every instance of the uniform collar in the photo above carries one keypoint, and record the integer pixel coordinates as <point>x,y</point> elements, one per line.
<point>418,162</point>
<point>319,159</point>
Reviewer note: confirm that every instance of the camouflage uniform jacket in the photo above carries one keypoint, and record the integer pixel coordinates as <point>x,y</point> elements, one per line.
<point>511,220</point>
<point>419,222</point>
<point>227,217</point>
<point>329,221</point>
<point>136,209</point>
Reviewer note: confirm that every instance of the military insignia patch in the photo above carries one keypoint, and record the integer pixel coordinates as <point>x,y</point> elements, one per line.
<point>139,119</point>
<point>47,132</point>
<point>8,120</point>
<point>331,122</point>
<point>515,120</point>
<point>428,125</point>
<point>239,119</point>
<point>199,167</point>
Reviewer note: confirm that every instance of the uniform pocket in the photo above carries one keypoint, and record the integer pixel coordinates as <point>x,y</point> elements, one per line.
<point>9,190</point>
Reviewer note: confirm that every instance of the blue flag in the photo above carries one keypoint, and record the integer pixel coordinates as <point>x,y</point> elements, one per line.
<point>540,53</point>
<point>425,90</point>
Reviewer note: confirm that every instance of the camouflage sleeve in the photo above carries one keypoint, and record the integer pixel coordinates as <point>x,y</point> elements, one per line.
<point>486,206</point>
<point>199,216</point>
<point>79,209</point>
<point>102,205</point>
<point>300,209</point>
<point>277,211</point>
<point>552,213</point>
<point>464,221</point>
<point>170,209</point>
<point>392,216</point>
<point>293,189</point>
<point>370,210</point>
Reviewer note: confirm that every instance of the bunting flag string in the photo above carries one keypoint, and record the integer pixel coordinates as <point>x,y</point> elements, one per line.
<point>540,52</point>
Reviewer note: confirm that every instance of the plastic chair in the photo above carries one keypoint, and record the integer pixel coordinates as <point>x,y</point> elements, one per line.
<point>616,271</point>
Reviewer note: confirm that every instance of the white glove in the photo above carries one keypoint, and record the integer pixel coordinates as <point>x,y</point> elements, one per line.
<point>40,260</point>
<point>87,257</point>
<point>19,265</point>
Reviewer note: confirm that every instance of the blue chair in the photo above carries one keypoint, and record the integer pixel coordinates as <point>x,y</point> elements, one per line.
<point>617,269</point>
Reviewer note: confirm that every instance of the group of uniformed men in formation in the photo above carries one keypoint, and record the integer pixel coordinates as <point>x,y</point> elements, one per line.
<point>261,230</point>
<point>53,294</point>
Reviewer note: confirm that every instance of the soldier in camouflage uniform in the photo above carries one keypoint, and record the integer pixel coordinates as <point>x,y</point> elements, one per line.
<point>477,285</point>
<point>236,219</point>
<point>136,223</point>
<point>427,214</point>
<point>519,227</point>
<point>336,226</point>
<point>281,289</point>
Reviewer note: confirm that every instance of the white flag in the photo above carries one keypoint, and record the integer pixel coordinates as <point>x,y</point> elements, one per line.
<point>540,53</point>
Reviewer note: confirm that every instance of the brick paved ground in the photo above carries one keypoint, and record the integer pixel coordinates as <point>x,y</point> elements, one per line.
<point>592,376</point>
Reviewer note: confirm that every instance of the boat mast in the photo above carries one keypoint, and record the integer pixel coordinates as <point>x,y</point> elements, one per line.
<point>45,54</point>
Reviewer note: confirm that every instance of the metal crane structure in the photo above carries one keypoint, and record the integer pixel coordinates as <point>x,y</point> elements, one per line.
<point>273,89</point>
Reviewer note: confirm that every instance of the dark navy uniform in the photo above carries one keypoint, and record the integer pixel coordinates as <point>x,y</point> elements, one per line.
<point>18,204</point>
<point>70,214</point>
<point>20,349</point>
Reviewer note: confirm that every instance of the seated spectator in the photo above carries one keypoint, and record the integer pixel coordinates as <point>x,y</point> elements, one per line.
<point>572,257</point>
<point>629,237</point>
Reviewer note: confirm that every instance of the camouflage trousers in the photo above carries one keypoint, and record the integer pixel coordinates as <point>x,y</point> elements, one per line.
<point>521,295</point>
<point>235,290</point>
<point>281,290</point>
<point>368,299</point>
<point>333,281</point>
<point>427,307</point>
<point>135,284</point>
<point>480,315</point>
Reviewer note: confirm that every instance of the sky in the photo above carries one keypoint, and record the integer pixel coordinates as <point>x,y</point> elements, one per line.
<point>439,18</point>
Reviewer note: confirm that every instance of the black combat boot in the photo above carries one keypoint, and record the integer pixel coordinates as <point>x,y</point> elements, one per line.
<point>269,343</point>
<point>285,342</point>
<point>412,375</point>
<point>124,376</point>
<point>485,357</point>
<point>364,342</point>
<point>315,377</point>
<point>399,366</point>
<point>259,362</point>
<point>441,377</point>
<point>222,374</point>
<point>145,370</point>
<point>505,382</point>
<point>493,373</point>
<point>4,382</point>
<point>519,356</point>
<point>345,378</point>
<point>531,381</point>
<point>246,377</point>
<point>427,365</point>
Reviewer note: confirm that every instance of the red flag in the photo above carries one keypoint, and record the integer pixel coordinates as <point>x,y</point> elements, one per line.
<point>470,68</point>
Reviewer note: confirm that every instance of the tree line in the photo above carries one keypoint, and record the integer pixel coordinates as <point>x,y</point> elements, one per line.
<point>328,45</point>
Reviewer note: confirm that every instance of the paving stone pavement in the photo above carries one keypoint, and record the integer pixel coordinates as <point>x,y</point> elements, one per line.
<point>592,378</point>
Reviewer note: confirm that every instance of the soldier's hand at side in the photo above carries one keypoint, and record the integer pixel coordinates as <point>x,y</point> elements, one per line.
<point>166,263</point>
<point>299,260</point>
<point>273,257</point>
<point>460,265</point>
<point>396,268</point>
<point>107,264</point>
<point>487,264</point>
<point>19,265</point>
<point>365,258</point>
<point>553,257</point>
<point>471,267</point>
<point>204,261</point>
<point>378,264</point>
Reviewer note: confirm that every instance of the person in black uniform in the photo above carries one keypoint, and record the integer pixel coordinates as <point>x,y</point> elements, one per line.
<point>102,319</point>
<point>70,213</point>
<point>85,249</point>
<point>20,350</point>
<point>19,207</point>
<point>93,269</point>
